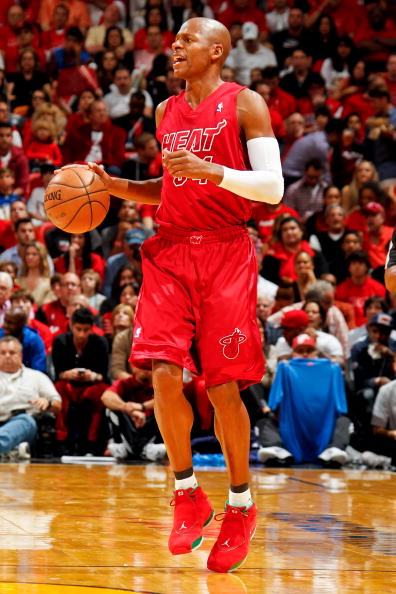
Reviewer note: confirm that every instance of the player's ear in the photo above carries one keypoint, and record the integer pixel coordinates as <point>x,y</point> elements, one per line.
<point>217,51</point>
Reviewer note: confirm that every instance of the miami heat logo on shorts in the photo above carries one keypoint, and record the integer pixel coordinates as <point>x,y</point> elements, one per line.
<point>231,344</point>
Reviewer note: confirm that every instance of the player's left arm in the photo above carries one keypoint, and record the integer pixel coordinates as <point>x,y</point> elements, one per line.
<point>265,182</point>
<point>390,265</point>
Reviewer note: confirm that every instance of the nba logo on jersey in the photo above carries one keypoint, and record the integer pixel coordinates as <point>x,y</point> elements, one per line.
<point>231,344</point>
<point>219,107</point>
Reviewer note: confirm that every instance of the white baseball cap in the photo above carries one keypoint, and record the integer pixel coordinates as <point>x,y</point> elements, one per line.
<point>249,31</point>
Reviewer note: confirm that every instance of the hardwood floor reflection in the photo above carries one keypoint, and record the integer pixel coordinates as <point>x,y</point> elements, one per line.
<point>107,526</point>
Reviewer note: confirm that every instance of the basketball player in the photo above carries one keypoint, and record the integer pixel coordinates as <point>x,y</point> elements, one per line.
<point>390,265</point>
<point>198,300</point>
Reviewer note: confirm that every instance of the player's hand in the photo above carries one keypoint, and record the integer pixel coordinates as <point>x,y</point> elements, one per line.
<point>185,164</point>
<point>105,177</point>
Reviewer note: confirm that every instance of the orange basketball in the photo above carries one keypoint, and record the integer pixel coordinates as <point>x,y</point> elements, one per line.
<point>76,200</point>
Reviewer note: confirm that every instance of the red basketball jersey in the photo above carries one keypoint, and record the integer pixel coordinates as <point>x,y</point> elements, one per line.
<point>211,131</point>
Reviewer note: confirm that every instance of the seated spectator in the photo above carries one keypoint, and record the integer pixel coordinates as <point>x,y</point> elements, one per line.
<point>155,15</point>
<point>163,85</point>
<point>383,422</point>
<point>69,56</point>
<point>115,41</point>
<point>369,192</point>
<point>35,203</point>
<point>126,273</point>
<point>119,97</point>
<point>5,116</point>
<point>27,38</point>
<point>264,307</point>
<point>26,80</point>
<point>135,122</point>
<point>372,306</point>
<point>126,295</point>
<point>298,80</point>
<point>15,17</point>
<point>13,158</point>
<point>122,318</point>
<point>329,242</point>
<point>78,15</point>
<point>279,262</point>
<point>372,360</point>
<point>47,111</point>
<point>98,141</point>
<point>265,214</point>
<point>284,298</point>
<point>112,236</point>
<point>90,288</point>
<point>338,66</point>
<point>351,242</point>
<point>316,223</point>
<point>249,53</point>
<point>43,147</point>
<point>96,34</point>
<point>55,36</point>
<point>24,234</point>
<point>81,106</point>
<point>278,99</point>
<point>18,211</point>
<point>130,408</point>
<point>80,360</point>
<point>7,193</point>
<point>12,269</point>
<point>304,266</point>
<point>147,162</point>
<point>324,37</point>
<point>80,256</point>
<point>54,313</point>
<point>239,11</point>
<point>278,18</point>
<point>294,127</point>
<point>107,65</point>
<point>290,39</point>
<point>364,172</point>
<point>144,58</point>
<point>309,394</point>
<point>33,350</point>
<point>379,139</point>
<point>376,240</point>
<point>345,156</point>
<point>328,345</point>
<point>23,299</point>
<point>306,195</point>
<point>24,394</point>
<point>35,273</point>
<point>360,285</point>
<point>6,286</point>
<point>120,352</point>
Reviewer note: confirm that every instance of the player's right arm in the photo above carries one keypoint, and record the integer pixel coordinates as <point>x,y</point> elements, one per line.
<point>390,265</point>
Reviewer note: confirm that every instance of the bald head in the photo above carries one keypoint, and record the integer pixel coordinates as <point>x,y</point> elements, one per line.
<point>213,32</point>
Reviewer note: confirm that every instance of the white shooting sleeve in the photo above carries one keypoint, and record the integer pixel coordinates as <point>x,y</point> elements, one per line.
<point>265,182</point>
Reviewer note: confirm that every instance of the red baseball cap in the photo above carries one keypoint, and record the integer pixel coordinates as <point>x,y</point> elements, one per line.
<point>296,318</point>
<point>303,340</point>
<point>373,208</point>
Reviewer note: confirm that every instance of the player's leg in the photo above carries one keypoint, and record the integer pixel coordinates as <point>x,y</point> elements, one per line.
<point>232,428</point>
<point>175,418</point>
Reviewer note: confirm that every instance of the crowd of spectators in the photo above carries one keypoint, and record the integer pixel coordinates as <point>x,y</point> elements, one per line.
<point>80,81</point>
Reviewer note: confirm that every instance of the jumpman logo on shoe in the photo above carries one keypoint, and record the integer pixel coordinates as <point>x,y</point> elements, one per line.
<point>231,344</point>
<point>226,543</point>
<point>183,526</point>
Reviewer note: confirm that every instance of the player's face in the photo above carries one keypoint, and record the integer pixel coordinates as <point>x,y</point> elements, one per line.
<point>191,51</point>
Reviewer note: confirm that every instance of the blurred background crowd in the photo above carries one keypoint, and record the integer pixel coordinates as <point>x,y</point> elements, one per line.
<point>80,81</point>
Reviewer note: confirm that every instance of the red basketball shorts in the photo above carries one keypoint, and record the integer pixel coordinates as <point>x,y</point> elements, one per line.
<point>197,305</point>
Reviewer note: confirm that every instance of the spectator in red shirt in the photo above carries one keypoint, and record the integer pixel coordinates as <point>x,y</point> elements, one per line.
<point>55,37</point>
<point>54,313</point>
<point>13,157</point>
<point>79,257</point>
<point>264,215</point>
<point>98,141</point>
<point>278,125</point>
<point>278,98</point>
<point>243,11</point>
<point>42,148</point>
<point>9,31</point>
<point>359,286</point>
<point>378,235</point>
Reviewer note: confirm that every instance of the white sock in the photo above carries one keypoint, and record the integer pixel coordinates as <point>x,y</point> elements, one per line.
<point>243,499</point>
<point>187,483</point>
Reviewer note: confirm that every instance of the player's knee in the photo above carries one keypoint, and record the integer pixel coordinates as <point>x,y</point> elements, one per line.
<point>224,396</point>
<point>167,379</point>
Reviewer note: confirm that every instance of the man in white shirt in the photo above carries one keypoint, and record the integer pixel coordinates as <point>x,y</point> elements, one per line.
<point>118,99</point>
<point>249,54</point>
<point>24,393</point>
<point>278,19</point>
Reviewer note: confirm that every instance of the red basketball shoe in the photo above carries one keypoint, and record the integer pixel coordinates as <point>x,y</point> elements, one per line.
<point>193,511</point>
<point>232,545</point>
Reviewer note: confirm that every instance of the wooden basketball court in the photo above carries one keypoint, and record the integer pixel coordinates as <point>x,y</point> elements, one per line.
<point>84,529</point>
